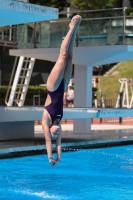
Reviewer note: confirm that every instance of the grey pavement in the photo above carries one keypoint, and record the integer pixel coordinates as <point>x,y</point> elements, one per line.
<point>97,131</point>
<point>101,136</point>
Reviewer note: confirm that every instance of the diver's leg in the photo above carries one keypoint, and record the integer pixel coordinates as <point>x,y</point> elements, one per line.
<point>68,68</point>
<point>57,72</point>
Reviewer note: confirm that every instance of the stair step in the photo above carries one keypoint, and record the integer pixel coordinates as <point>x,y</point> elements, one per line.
<point>22,84</point>
<point>17,100</point>
<point>25,69</point>
<point>29,61</point>
<point>19,92</point>
<point>23,76</point>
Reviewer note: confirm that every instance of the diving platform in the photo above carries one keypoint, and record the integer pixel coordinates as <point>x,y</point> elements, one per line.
<point>15,12</point>
<point>83,56</point>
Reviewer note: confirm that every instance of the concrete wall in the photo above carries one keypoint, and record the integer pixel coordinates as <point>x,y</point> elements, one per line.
<point>16,130</point>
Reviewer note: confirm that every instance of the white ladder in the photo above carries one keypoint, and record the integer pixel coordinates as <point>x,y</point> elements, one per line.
<point>125,82</point>
<point>20,81</point>
<point>131,101</point>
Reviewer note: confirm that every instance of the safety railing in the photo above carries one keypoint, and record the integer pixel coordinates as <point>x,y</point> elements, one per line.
<point>98,27</point>
<point>8,36</point>
<point>25,1</point>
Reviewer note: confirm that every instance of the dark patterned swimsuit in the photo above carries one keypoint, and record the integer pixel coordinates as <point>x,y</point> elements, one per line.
<point>55,108</point>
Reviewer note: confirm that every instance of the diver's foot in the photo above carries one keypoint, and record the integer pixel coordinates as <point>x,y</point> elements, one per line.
<point>75,22</point>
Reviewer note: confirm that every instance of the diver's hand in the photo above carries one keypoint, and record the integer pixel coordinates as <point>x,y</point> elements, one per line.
<point>52,162</point>
<point>57,160</point>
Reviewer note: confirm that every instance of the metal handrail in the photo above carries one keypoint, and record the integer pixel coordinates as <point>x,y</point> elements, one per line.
<point>11,79</point>
<point>121,16</point>
<point>124,23</point>
<point>90,11</point>
<point>88,19</point>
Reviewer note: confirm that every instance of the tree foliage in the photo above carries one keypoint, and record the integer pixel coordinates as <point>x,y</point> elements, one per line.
<point>60,4</point>
<point>92,4</point>
<point>129,11</point>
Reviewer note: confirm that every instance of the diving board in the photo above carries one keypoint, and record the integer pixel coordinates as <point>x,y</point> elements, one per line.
<point>21,114</point>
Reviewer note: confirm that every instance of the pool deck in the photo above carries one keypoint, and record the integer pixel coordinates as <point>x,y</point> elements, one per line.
<point>102,135</point>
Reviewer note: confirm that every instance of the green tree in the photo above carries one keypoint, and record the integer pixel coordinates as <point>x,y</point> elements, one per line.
<point>60,4</point>
<point>129,11</point>
<point>92,4</point>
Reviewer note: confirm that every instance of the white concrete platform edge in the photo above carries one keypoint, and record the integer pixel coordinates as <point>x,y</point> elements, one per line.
<point>12,114</point>
<point>65,146</point>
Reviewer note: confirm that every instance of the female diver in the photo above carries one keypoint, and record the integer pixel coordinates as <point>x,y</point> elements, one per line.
<point>57,82</point>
